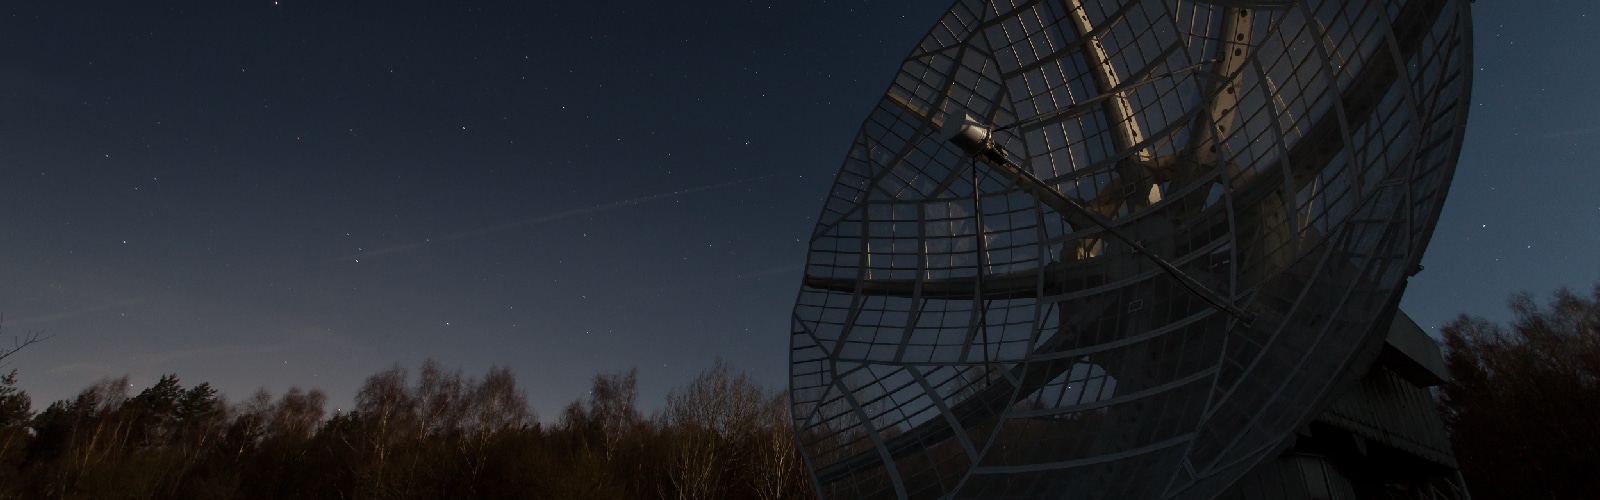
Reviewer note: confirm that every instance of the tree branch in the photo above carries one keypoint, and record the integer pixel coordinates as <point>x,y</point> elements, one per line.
<point>19,342</point>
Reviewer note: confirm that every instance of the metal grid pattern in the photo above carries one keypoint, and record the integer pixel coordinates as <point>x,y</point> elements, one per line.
<point>969,326</point>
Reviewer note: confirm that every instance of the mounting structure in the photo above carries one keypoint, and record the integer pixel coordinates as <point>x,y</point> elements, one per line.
<point>1138,249</point>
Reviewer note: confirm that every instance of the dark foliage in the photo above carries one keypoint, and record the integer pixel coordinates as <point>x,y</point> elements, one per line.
<point>1523,406</point>
<point>432,433</point>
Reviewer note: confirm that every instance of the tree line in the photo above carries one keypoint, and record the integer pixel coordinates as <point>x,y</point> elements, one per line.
<point>1523,403</point>
<point>1522,409</point>
<point>428,433</point>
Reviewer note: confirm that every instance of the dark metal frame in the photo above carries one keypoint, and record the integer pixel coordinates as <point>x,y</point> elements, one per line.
<point>1124,249</point>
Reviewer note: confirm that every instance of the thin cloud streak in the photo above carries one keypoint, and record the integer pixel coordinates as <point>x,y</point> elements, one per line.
<point>299,339</point>
<point>76,312</point>
<point>1570,133</point>
<point>402,248</point>
<point>161,358</point>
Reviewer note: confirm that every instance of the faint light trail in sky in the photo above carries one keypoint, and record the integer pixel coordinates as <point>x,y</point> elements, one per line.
<point>402,248</point>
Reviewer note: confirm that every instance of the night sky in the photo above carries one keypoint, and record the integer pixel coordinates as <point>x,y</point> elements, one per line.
<point>267,194</point>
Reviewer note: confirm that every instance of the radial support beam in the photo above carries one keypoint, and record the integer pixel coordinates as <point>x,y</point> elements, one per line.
<point>1125,133</point>
<point>967,138</point>
<point>1233,50</point>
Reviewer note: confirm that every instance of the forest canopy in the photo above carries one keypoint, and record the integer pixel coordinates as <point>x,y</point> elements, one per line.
<point>1523,405</point>
<point>427,433</point>
<point>1520,410</point>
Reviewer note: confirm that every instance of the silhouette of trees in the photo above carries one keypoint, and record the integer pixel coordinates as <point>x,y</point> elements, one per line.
<point>777,471</point>
<point>1523,405</point>
<point>15,405</point>
<point>428,433</point>
<point>715,418</point>
<point>1521,410</point>
<point>16,410</point>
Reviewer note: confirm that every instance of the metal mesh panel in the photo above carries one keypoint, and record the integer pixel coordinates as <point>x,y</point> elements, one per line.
<point>999,320</point>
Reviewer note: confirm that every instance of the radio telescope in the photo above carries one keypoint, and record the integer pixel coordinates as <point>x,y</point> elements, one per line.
<point>1138,249</point>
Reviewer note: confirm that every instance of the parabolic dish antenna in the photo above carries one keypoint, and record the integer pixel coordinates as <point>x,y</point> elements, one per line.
<point>1120,249</point>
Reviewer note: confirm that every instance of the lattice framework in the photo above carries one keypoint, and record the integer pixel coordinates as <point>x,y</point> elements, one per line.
<point>964,330</point>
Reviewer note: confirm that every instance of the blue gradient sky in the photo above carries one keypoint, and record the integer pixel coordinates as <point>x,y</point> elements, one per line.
<point>266,194</point>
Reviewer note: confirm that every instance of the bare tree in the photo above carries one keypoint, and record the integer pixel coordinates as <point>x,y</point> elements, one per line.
<point>779,472</point>
<point>493,407</point>
<point>296,415</point>
<point>1522,402</point>
<point>19,342</point>
<point>599,426</point>
<point>441,397</point>
<point>388,412</point>
<point>613,405</point>
<point>715,418</point>
<point>94,427</point>
<point>496,404</point>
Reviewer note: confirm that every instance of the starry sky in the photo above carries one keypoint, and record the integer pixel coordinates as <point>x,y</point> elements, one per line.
<point>263,193</point>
